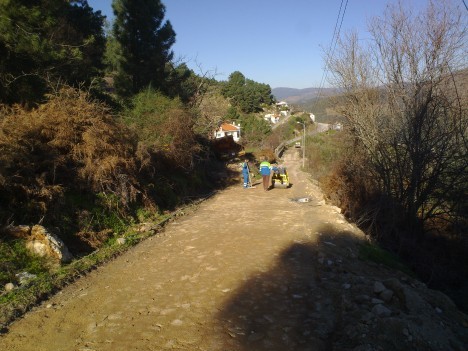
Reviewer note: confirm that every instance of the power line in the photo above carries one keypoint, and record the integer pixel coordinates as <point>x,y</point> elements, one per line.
<point>331,43</point>
<point>336,34</point>
<point>330,53</point>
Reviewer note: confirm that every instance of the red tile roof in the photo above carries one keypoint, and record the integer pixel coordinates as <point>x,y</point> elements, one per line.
<point>229,127</point>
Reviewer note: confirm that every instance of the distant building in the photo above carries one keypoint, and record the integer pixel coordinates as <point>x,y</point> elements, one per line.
<point>227,129</point>
<point>312,117</point>
<point>282,104</point>
<point>270,117</point>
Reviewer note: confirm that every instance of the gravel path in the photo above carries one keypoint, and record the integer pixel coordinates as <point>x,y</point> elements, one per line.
<point>249,270</point>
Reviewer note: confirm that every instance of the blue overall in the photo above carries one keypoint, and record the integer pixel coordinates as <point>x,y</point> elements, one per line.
<point>245,173</point>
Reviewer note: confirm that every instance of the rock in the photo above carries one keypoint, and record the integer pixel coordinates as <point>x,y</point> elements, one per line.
<point>378,287</point>
<point>145,227</point>
<point>177,322</point>
<point>9,286</point>
<point>46,244</point>
<point>394,285</point>
<point>381,311</point>
<point>336,209</point>
<point>362,298</point>
<point>367,317</point>
<point>386,295</point>
<point>346,286</point>
<point>377,301</point>
<point>25,277</point>
<point>410,299</point>
<point>301,199</point>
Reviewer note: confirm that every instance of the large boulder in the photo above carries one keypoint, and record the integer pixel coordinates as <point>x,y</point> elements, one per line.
<point>46,244</point>
<point>40,241</point>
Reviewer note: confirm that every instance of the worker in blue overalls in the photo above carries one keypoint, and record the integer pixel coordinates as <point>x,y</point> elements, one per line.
<point>245,173</point>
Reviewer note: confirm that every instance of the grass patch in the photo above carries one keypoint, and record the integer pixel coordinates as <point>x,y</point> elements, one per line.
<point>15,258</point>
<point>369,252</point>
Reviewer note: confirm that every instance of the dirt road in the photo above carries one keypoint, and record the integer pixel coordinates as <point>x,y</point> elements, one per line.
<point>250,270</point>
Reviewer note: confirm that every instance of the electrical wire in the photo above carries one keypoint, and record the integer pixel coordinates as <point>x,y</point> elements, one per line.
<point>333,43</point>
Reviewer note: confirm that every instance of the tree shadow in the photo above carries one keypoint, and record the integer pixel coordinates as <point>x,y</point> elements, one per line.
<point>290,307</point>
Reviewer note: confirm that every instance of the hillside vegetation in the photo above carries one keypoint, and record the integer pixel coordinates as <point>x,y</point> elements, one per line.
<point>101,132</point>
<point>402,172</point>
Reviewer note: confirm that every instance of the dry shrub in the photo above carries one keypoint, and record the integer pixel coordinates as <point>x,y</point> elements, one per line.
<point>88,135</point>
<point>68,143</point>
<point>211,107</point>
<point>268,153</point>
<point>94,239</point>
<point>273,140</point>
<point>182,145</point>
<point>352,186</point>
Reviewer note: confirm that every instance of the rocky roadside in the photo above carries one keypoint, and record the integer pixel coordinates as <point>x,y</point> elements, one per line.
<point>376,308</point>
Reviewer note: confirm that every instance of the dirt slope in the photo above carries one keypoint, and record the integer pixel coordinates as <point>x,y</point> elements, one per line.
<point>250,270</point>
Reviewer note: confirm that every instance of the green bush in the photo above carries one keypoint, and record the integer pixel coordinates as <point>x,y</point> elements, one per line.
<point>324,152</point>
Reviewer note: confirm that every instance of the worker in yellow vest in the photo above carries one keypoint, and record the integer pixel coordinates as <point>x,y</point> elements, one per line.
<point>265,170</point>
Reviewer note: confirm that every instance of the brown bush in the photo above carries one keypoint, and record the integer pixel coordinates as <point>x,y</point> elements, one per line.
<point>67,144</point>
<point>268,153</point>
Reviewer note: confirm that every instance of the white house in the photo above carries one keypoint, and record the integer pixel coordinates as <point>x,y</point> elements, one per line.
<point>312,117</point>
<point>227,129</point>
<point>270,117</point>
<point>282,104</point>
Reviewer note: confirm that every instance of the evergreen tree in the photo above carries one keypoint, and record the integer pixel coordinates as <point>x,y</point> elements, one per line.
<point>46,41</point>
<point>246,94</point>
<point>145,42</point>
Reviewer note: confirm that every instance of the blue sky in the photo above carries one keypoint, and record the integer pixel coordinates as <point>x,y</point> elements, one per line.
<point>280,43</point>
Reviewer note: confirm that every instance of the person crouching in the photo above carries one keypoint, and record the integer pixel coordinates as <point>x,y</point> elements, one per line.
<point>265,170</point>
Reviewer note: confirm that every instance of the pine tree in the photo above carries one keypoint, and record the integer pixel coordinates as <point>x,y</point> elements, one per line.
<point>43,42</point>
<point>145,41</point>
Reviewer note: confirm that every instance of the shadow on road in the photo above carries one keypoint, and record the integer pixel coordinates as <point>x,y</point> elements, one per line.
<point>290,307</point>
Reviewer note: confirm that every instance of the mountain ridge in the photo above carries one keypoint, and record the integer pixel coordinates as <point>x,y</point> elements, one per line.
<point>294,95</point>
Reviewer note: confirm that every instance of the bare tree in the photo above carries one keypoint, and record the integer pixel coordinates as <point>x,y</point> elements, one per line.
<point>406,107</point>
<point>212,108</point>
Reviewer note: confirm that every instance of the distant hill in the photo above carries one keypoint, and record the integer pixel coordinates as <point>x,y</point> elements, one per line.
<point>325,108</point>
<point>299,96</point>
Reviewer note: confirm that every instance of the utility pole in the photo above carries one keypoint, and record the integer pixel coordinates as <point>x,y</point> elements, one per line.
<point>303,144</point>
